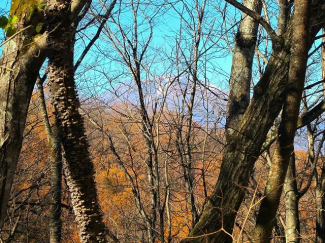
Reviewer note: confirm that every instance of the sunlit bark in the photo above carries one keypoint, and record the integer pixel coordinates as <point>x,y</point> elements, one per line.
<point>79,170</point>
<point>243,149</point>
<point>22,57</point>
<point>289,117</point>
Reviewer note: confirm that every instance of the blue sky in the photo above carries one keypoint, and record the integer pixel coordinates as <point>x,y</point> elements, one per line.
<point>102,62</point>
<point>4,5</point>
<point>163,32</point>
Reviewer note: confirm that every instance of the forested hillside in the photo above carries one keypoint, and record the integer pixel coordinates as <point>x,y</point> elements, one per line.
<point>162,121</point>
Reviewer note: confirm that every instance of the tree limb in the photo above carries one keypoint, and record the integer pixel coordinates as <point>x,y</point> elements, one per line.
<point>277,41</point>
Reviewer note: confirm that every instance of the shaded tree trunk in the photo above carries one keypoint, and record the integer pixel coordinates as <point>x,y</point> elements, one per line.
<point>22,57</point>
<point>79,170</point>
<point>241,70</point>
<point>246,141</point>
<point>55,159</point>
<point>320,207</point>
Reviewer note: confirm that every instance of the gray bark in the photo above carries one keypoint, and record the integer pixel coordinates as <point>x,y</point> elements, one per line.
<point>292,230</point>
<point>241,70</point>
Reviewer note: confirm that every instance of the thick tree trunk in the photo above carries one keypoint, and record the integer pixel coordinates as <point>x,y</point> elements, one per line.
<point>241,70</point>
<point>291,201</point>
<point>241,152</point>
<point>244,146</point>
<point>22,57</point>
<point>287,129</point>
<point>79,170</point>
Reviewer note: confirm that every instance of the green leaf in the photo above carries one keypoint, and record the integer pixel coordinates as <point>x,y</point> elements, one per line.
<point>10,31</point>
<point>42,5</point>
<point>39,27</point>
<point>3,22</point>
<point>12,19</point>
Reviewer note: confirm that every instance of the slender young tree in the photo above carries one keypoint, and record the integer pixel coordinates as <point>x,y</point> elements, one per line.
<point>320,179</point>
<point>55,158</point>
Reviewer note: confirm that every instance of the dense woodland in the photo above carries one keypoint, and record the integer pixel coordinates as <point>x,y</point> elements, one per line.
<point>162,121</point>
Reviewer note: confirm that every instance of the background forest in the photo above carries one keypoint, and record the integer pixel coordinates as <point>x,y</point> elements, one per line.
<point>162,121</point>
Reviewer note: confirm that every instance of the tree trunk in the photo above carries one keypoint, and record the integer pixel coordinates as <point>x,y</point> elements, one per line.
<point>241,69</point>
<point>22,57</point>
<point>241,152</point>
<point>56,185</point>
<point>245,143</point>
<point>292,230</point>
<point>79,170</point>
<point>55,159</point>
<point>287,129</point>
<point>320,180</point>
<point>320,208</point>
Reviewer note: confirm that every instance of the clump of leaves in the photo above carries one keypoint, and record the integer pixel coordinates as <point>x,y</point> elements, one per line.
<point>3,22</point>
<point>7,24</point>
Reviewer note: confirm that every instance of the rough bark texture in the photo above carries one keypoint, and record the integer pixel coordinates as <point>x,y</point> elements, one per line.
<point>22,57</point>
<point>287,129</point>
<point>244,146</point>
<point>291,201</point>
<point>79,170</point>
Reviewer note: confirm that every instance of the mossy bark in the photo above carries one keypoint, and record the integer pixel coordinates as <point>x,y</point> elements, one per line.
<point>246,141</point>
<point>288,126</point>
<point>22,58</point>
<point>19,66</point>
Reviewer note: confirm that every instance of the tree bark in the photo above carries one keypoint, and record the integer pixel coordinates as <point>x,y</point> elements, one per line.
<point>241,69</point>
<point>22,57</point>
<point>241,152</point>
<point>292,230</point>
<point>287,129</point>
<point>320,207</point>
<point>55,159</point>
<point>79,170</point>
<point>244,146</point>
